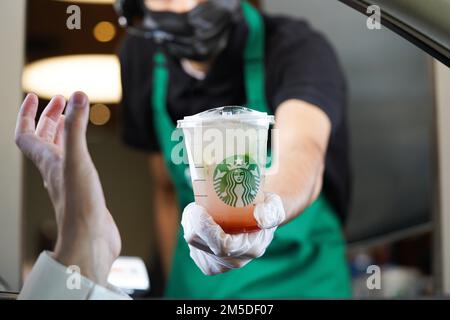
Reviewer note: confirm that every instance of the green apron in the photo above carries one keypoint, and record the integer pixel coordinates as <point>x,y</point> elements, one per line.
<point>306,257</point>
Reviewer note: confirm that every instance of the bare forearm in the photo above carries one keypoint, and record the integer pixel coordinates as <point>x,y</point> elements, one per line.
<point>298,180</point>
<point>297,173</point>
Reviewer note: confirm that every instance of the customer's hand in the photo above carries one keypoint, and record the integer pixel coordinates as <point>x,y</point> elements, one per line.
<point>87,234</point>
<point>214,251</point>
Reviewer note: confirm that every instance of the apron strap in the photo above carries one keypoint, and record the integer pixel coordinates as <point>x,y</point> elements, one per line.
<point>163,124</point>
<point>254,71</point>
<point>254,63</point>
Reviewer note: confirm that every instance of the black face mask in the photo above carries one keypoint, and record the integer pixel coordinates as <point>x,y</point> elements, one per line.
<point>197,35</point>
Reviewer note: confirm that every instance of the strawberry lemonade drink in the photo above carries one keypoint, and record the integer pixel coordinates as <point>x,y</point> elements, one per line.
<point>227,150</point>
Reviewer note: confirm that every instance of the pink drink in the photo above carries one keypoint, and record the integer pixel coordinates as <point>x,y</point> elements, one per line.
<point>227,149</point>
<point>231,219</point>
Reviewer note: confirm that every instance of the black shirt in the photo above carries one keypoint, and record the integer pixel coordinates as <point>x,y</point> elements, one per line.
<point>300,64</point>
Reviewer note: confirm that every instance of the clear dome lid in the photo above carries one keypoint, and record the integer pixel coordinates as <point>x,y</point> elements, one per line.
<point>228,113</point>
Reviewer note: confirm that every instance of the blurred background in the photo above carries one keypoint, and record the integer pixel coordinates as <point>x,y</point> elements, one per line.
<point>392,116</point>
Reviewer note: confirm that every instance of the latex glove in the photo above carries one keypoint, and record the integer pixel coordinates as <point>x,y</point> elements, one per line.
<point>215,251</point>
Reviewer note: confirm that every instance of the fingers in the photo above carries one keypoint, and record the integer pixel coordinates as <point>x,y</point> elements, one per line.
<point>205,262</point>
<point>84,201</point>
<point>195,221</point>
<point>270,213</point>
<point>25,128</point>
<point>59,136</point>
<point>76,120</point>
<point>201,232</point>
<point>83,187</point>
<point>48,122</point>
<point>27,114</point>
<point>211,265</point>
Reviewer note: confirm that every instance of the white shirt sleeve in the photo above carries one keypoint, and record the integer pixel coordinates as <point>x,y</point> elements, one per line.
<point>50,280</point>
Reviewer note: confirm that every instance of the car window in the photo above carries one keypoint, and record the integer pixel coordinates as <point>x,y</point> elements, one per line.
<point>425,23</point>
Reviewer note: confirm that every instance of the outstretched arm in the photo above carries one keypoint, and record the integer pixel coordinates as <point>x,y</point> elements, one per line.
<point>87,235</point>
<point>294,183</point>
<point>304,131</point>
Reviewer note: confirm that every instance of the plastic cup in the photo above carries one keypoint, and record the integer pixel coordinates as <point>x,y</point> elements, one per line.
<point>227,150</point>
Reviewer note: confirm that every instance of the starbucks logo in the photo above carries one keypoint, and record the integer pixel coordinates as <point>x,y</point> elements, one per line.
<point>236,180</point>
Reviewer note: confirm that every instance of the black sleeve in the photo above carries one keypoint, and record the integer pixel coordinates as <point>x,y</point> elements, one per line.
<point>136,114</point>
<point>306,68</point>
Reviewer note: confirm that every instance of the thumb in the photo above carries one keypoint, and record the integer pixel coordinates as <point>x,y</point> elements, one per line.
<point>269,213</point>
<point>76,120</point>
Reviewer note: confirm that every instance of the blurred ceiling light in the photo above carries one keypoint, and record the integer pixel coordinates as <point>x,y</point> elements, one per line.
<point>99,114</point>
<point>104,31</point>
<point>90,1</point>
<point>98,75</point>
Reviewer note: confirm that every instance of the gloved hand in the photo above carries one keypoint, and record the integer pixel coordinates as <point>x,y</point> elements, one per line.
<point>214,251</point>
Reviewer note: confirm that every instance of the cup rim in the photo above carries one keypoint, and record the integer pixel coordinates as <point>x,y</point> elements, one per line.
<point>250,116</point>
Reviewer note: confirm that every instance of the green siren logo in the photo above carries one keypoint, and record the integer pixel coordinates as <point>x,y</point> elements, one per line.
<point>236,180</point>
